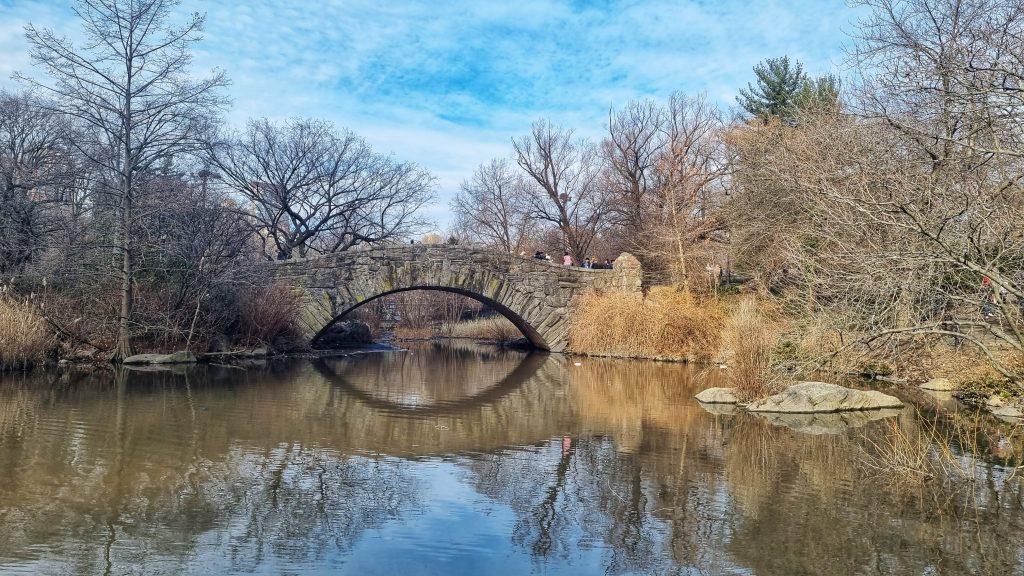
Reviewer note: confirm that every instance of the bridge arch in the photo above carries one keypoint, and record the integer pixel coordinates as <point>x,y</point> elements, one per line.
<point>527,330</point>
<point>535,295</point>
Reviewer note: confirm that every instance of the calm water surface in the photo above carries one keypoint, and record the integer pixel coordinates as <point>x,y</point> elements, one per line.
<point>458,460</point>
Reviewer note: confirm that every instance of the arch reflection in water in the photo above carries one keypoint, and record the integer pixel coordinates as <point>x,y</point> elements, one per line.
<point>445,400</point>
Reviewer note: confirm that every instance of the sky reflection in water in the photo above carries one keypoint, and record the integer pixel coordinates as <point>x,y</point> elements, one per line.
<point>458,460</point>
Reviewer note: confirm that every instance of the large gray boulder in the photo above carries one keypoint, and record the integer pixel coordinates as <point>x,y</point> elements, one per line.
<point>815,397</point>
<point>720,409</point>
<point>346,334</point>
<point>831,423</point>
<point>717,396</point>
<point>182,357</point>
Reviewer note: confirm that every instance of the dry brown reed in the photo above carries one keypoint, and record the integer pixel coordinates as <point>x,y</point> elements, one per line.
<point>24,337</point>
<point>749,341</point>
<point>407,333</point>
<point>914,449</point>
<point>668,322</point>
<point>495,328</point>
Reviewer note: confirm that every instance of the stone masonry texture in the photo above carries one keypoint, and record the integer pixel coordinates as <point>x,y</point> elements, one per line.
<point>535,295</point>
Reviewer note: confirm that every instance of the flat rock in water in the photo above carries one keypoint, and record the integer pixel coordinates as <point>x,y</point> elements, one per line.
<point>1007,412</point>
<point>177,369</point>
<point>831,423</point>
<point>717,396</point>
<point>816,397</point>
<point>939,385</point>
<point>183,357</point>
<point>720,409</point>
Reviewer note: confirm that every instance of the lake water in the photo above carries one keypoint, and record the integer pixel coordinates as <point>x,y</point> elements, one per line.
<point>452,459</point>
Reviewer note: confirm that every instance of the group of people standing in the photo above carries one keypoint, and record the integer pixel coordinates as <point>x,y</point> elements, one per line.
<point>588,262</point>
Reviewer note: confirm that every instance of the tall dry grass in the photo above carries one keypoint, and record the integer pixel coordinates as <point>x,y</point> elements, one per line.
<point>495,328</point>
<point>666,323</point>
<point>407,333</point>
<point>24,338</point>
<point>749,340</point>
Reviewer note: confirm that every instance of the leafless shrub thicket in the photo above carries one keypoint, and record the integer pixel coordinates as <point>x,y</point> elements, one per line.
<point>901,220</point>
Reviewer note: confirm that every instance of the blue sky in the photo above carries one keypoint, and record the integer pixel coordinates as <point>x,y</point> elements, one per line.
<point>447,84</point>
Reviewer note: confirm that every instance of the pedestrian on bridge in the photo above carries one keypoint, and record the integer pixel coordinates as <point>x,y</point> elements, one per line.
<point>567,260</point>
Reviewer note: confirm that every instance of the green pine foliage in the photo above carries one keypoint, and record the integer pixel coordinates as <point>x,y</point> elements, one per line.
<point>778,82</point>
<point>783,89</point>
<point>819,93</point>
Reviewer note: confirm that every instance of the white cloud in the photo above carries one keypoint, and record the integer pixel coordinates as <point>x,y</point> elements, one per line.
<point>449,84</point>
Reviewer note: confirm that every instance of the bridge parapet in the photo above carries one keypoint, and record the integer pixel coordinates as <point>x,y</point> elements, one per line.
<point>535,295</point>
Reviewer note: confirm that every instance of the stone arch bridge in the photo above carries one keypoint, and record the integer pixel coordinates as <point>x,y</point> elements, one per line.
<point>535,295</point>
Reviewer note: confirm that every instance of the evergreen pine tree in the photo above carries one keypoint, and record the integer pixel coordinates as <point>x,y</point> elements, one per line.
<point>818,94</point>
<point>778,83</point>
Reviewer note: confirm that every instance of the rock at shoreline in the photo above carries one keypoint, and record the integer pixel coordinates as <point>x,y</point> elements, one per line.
<point>1010,413</point>
<point>717,396</point>
<point>1001,408</point>
<point>345,334</point>
<point>939,385</point>
<point>182,357</point>
<point>261,352</point>
<point>720,409</point>
<point>832,423</point>
<point>815,397</point>
<point>176,369</point>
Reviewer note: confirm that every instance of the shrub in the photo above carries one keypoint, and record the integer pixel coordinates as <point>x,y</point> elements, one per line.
<point>24,337</point>
<point>750,338</point>
<point>266,314</point>
<point>666,323</point>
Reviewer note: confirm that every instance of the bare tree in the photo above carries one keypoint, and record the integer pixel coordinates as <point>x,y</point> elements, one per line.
<point>129,85</point>
<point>310,188</point>
<point>636,138</point>
<point>35,168</point>
<point>948,74</point>
<point>565,190</point>
<point>692,170</point>
<point>491,207</point>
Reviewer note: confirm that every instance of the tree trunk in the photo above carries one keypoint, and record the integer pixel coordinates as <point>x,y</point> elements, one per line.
<point>124,349</point>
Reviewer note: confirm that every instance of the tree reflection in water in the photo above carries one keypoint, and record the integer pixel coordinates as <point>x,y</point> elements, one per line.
<point>605,467</point>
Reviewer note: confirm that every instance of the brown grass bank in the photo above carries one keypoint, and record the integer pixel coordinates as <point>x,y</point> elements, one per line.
<point>24,337</point>
<point>667,323</point>
<point>494,328</point>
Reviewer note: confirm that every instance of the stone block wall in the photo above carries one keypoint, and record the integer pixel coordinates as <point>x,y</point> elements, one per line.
<point>535,295</point>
